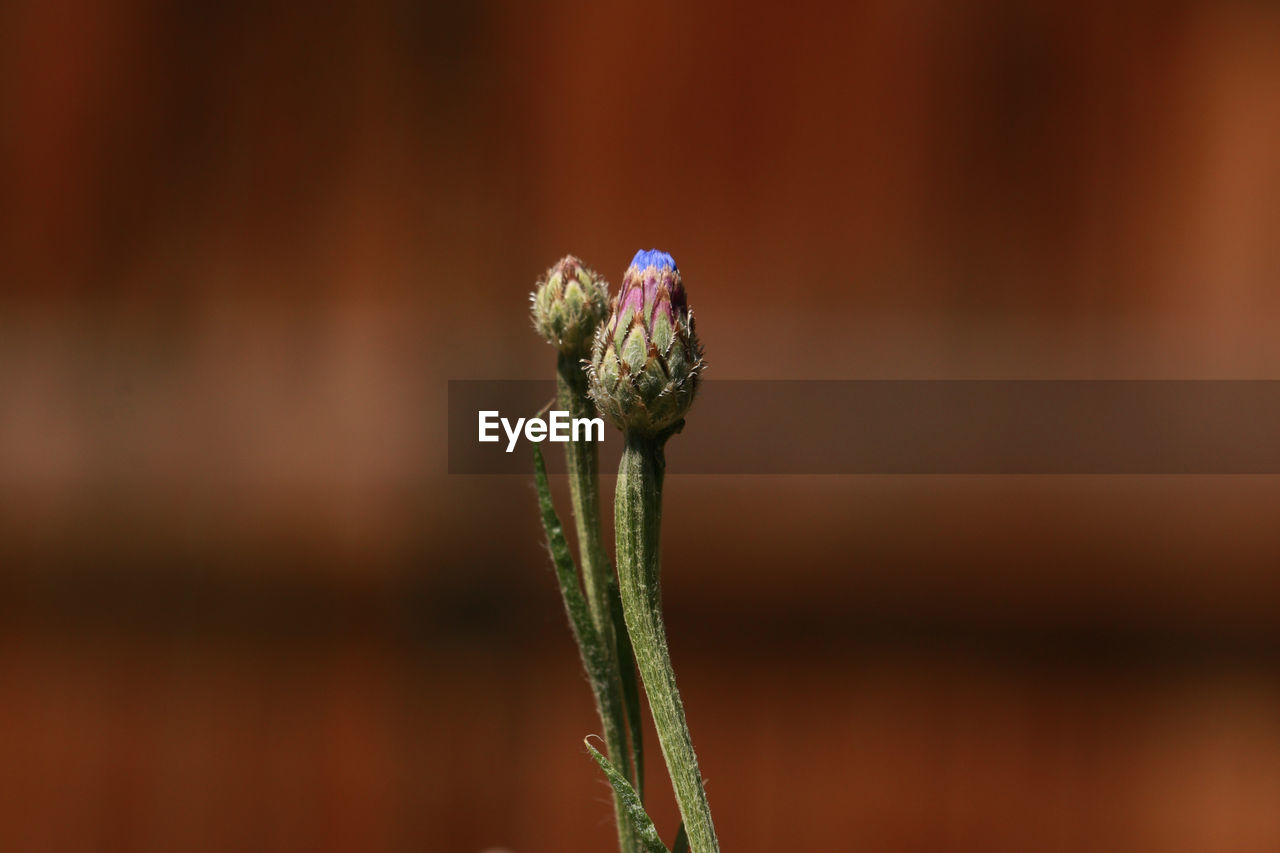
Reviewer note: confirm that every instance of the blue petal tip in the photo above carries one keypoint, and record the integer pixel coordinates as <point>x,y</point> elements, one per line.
<point>653,258</point>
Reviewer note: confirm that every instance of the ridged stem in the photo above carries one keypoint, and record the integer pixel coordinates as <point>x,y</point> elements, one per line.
<point>582,462</point>
<point>638,517</point>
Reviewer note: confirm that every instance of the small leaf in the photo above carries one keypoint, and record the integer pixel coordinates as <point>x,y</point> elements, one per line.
<point>645,830</point>
<point>591,646</point>
<point>682,841</point>
<point>575,604</point>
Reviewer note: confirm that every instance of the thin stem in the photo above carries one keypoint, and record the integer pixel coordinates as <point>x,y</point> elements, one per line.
<point>630,686</point>
<point>638,516</point>
<point>593,650</point>
<point>582,461</point>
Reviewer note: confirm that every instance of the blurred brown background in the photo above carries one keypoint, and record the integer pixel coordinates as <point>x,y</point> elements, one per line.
<point>244,246</point>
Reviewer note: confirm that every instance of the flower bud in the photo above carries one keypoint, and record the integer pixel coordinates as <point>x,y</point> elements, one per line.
<point>645,361</point>
<point>569,304</point>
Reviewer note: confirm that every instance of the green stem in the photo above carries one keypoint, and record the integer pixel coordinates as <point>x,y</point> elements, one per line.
<point>638,517</point>
<point>630,686</point>
<point>582,461</point>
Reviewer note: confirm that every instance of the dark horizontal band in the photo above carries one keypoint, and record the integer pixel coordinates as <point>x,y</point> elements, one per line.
<point>922,427</point>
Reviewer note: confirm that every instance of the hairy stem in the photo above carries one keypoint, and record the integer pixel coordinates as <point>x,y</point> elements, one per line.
<point>638,516</point>
<point>582,461</point>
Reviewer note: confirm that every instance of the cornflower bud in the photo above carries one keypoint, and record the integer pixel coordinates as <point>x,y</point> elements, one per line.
<point>646,360</point>
<point>569,304</point>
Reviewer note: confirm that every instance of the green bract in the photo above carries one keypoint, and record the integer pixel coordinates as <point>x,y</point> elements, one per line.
<point>569,304</point>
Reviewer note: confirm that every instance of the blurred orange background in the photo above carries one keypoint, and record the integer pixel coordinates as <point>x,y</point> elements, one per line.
<point>243,605</point>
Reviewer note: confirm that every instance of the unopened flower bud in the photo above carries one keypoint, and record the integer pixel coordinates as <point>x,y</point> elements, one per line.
<point>646,360</point>
<point>569,304</point>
